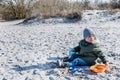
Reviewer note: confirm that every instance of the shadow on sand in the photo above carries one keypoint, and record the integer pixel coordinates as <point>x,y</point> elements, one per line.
<point>51,66</point>
<point>48,65</point>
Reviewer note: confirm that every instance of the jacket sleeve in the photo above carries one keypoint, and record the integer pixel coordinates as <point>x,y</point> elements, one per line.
<point>101,55</point>
<point>77,49</point>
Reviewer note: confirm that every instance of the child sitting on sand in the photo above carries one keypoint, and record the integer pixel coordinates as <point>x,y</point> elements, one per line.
<point>88,52</point>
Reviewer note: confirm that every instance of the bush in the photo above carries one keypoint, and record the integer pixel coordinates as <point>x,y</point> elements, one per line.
<point>1,10</point>
<point>114,4</point>
<point>103,6</point>
<point>16,9</point>
<point>74,15</point>
<point>19,9</point>
<point>55,8</point>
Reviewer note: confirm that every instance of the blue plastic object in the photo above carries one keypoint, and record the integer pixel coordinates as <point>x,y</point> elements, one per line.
<point>71,52</point>
<point>74,69</point>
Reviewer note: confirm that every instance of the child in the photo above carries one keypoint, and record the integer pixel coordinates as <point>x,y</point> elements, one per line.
<point>87,51</point>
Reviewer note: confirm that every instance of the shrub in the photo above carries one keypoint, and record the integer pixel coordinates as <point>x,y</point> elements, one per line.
<point>103,6</point>
<point>55,8</point>
<point>74,15</point>
<point>114,4</point>
<point>1,10</point>
<point>16,9</point>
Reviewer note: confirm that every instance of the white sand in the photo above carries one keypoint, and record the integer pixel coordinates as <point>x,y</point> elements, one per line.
<point>27,50</point>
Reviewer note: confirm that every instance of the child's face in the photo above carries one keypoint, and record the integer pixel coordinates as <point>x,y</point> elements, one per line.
<point>90,39</point>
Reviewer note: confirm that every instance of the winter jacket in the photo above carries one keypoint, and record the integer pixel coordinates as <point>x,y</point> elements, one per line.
<point>90,52</point>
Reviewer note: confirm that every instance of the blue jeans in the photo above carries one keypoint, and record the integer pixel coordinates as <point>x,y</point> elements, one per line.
<point>73,56</point>
<point>75,60</point>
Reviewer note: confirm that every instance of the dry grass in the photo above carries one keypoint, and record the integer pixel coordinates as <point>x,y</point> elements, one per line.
<point>58,8</point>
<point>53,8</point>
<point>18,9</point>
<point>112,5</point>
<point>15,9</point>
<point>1,10</point>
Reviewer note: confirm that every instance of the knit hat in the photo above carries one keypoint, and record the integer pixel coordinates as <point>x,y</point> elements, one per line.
<point>87,32</point>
